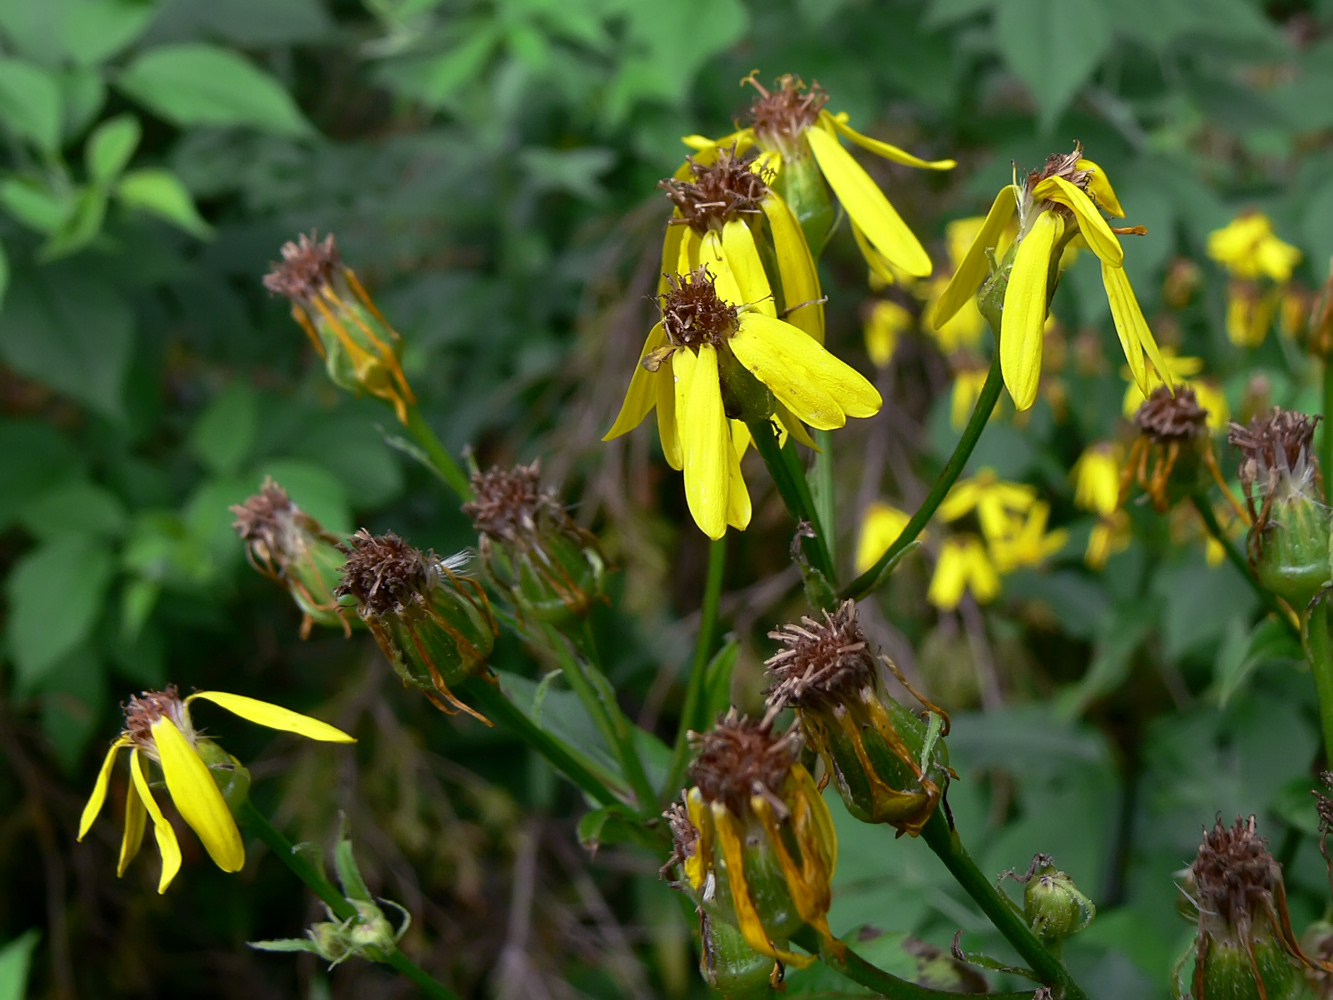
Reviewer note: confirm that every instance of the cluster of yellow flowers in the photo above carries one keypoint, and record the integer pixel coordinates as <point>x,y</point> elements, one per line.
<point>1259,266</point>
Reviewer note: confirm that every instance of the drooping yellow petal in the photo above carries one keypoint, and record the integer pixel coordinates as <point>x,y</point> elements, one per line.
<point>705,438</point>
<point>867,206</point>
<point>794,427</point>
<point>197,798</point>
<point>98,797</point>
<point>1024,315</point>
<point>670,251</point>
<point>1098,234</point>
<point>1135,337</point>
<point>167,845</point>
<point>1100,188</point>
<point>261,713</point>
<point>666,412</point>
<point>740,437</point>
<point>136,818</point>
<point>743,261</point>
<point>883,148</point>
<point>881,271</point>
<point>974,266</point>
<point>641,396</point>
<point>801,295</point>
<point>880,527</point>
<point>738,496</point>
<point>817,387</point>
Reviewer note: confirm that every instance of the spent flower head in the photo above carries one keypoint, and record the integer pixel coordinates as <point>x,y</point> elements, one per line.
<point>1173,448</point>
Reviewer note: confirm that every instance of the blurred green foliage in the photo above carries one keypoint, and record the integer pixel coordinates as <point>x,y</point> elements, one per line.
<point>488,170</point>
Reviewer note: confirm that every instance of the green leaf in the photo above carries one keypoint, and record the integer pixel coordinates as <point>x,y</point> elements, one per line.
<point>84,94</point>
<point>312,488</point>
<point>1117,640</point>
<point>30,103</point>
<point>1052,46</point>
<point>1244,650</point>
<point>73,697</point>
<point>85,31</point>
<point>15,960</point>
<point>161,193</point>
<point>4,274</point>
<point>942,13</point>
<point>351,447</point>
<point>110,147</point>
<point>34,205</point>
<point>34,457</point>
<point>79,228</point>
<point>80,507</point>
<point>717,680</point>
<point>72,331</point>
<point>614,824</point>
<point>224,435</point>
<point>197,84</point>
<point>56,593</point>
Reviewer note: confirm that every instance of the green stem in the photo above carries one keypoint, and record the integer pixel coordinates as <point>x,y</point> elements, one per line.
<point>784,465</point>
<point>1319,652</point>
<point>821,489</point>
<point>990,394</point>
<point>848,963</point>
<point>303,868</point>
<point>440,460</point>
<point>1326,463</point>
<point>1242,565</point>
<point>599,698</point>
<point>492,703</point>
<point>941,838</point>
<point>690,713</point>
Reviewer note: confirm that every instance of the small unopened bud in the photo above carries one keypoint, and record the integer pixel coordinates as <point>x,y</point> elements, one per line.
<point>887,764</point>
<point>530,548</point>
<point>1289,524</point>
<point>359,347</point>
<point>288,545</point>
<point>432,621</point>
<point>1053,905</point>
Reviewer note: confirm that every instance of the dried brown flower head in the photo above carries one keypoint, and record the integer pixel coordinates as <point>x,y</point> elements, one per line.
<point>383,572</point>
<point>508,502</point>
<point>692,313</point>
<point>823,661</point>
<point>727,188</point>
<point>1276,455</point>
<point>1064,165</point>
<point>1167,418</point>
<point>741,757</point>
<point>308,264</point>
<point>146,708</point>
<point>786,111</point>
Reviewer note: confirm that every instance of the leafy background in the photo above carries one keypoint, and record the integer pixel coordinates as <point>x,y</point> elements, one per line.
<point>488,168</point>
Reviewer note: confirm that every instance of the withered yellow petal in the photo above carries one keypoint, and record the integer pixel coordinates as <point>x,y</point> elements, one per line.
<point>817,387</point>
<point>197,797</point>
<point>1100,188</point>
<point>262,713</point>
<point>975,265</point>
<point>641,396</point>
<point>1136,338</point>
<point>167,845</point>
<point>801,296</point>
<point>1024,316</point>
<point>705,438</point>
<point>98,797</point>
<point>1098,234</point>
<point>136,818</point>
<point>884,149</point>
<point>866,204</point>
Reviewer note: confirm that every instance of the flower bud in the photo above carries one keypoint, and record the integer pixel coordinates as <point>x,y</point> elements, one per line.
<point>289,546</point>
<point>730,966</point>
<point>871,744</point>
<point>432,622</point>
<point>754,844</point>
<point>1173,449</point>
<point>359,347</point>
<point>531,548</point>
<point>1053,905</point>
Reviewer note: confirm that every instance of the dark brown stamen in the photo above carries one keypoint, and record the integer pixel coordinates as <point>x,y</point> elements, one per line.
<point>508,502</point>
<point>308,265</point>
<point>788,110</point>
<point>823,661</point>
<point>1166,418</point>
<point>692,313</point>
<point>145,709</point>
<point>718,192</point>
<point>740,758</point>
<point>383,572</point>
<point>1063,165</point>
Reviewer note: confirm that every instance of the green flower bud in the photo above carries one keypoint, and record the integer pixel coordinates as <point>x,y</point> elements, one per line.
<point>1290,525</point>
<point>1053,905</point>
<point>289,546</point>
<point>530,548</point>
<point>889,765</point>
<point>433,623</point>
<point>730,966</point>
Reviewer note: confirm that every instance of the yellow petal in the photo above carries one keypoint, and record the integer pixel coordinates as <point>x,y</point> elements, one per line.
<point>881,271</point>
<point>883,148</point>
<point>949,579</point>
<point>975,265</point>
<point>689,250</point>
<point>706,150</point>
<point>167,845</point>
<point>261,713</point>
<point>1090,222</point>
<point>713,256</point>
<point>666,411</point>
<point>1024,315</point>
<point>740,438</point>
<point>197,798</point>
<point>866,205</point>
<point>675,232</point>
<point>641,396</point>
<point>705,438</point>
<point>794,427</point>
<point>98,797</point>
<point>136,818</point>
<point>817,387</point>
<point>743,261</point>
<point>1135,337</point>
<point>880,528</point>
<point>1100,188</point>
<point>796,270</point>
<point>738,496</point>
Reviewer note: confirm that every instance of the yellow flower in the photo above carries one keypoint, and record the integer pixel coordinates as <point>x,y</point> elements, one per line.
<point>963,565</point>
<point>999,505</point>
<point>1096,477</point>
<point>1247,247</point>
<point>967,385</point>
<point>793,127</point>
<point>718,347</point>
<point>1250,312</point>
<point>884,326</point>
<point>1109,535</point>
<point>964,328</point>
<point>1027,543</point>
<point>1182,371</point>
<point>158,729</point>
<point>1064,199</point>
<point>880,528</point>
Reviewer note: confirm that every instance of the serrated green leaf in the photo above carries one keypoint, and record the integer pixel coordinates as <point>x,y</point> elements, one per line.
<point>110,147</point>
<point>30,103</point>
<point>161,193</point>
<point>1052,46</point>
<point>198,84</point>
